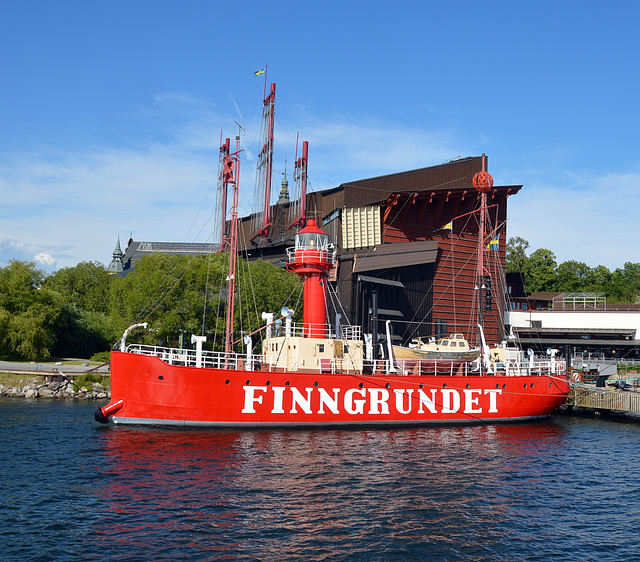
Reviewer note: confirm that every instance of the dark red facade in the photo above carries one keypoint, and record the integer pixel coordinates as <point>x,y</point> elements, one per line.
<point>424,276</point>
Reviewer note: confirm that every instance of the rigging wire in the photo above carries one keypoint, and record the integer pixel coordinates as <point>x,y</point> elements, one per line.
<point>170,284</point>
<point>452,258</point>
<point>219,193</point>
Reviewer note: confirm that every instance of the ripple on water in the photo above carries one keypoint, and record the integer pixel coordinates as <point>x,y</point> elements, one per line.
<point>74,490</point>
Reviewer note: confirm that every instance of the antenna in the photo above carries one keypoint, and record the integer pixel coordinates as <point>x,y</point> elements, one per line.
<point>240,128</point>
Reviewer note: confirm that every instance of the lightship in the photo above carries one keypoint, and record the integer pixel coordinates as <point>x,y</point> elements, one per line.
<point>322,375</point>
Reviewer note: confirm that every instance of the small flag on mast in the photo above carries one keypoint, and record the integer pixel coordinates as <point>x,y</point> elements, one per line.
<point>448,226</point>
<point>259,72</point>
<point>493,245</point>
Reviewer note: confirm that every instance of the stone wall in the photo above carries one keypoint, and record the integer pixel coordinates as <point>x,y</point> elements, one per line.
<point>65,389</point>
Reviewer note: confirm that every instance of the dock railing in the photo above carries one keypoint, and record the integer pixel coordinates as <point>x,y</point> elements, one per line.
<point>603,399</point>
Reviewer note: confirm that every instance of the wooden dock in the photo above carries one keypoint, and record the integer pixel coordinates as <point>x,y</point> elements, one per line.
<point>603,399</point>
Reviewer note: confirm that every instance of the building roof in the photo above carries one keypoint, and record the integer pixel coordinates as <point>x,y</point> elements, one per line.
<point>396,255</point>
<point>429,186</point>
<point>135,251</point>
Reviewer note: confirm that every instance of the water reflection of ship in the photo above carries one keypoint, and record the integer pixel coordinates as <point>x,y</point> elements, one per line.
<point>275,494</point>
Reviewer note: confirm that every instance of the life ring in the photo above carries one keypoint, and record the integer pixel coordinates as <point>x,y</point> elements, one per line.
<point>576,375</point>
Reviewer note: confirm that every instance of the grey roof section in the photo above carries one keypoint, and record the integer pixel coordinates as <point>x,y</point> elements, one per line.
<point>396,255</point>
<point>176,248</point>
<point>135,251</point>
<point>380,281</point>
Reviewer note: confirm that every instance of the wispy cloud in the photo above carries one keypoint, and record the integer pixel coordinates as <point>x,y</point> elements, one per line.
<point>44,256</point>
<point>233,101</point>
<point>68,202</point>
<point>580,216</point>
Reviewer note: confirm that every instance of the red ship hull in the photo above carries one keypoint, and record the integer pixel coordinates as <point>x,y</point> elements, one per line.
<point>147,391</point>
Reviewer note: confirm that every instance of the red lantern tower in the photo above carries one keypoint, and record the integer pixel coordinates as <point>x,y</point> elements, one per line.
<point>311,258</point>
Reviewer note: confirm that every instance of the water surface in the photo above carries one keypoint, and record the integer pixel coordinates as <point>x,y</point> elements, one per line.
<point>72,489</point>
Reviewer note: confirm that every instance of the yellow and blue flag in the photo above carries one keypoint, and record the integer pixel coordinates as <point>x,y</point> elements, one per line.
<point>448,226</point>
<point>493,245</point>
<point>259,72</point>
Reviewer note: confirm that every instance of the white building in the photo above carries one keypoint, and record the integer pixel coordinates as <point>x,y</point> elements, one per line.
<point>583,322</point>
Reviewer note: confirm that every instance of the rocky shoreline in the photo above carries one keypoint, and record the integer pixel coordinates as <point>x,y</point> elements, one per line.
<point>65,390</point>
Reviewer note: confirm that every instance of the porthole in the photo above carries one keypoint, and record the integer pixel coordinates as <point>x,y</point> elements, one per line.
<point>444,385</point>
<point>161,378</point>
<point>421,385</point>
<point>387,385</point>
<point>468,385</point>
<point>227,381</point>
<point>531,385</point>
<point>268,383</point>
<point>247,383</point>
<point>361,385</point>
<point>497,386</point>
<point>287,383</point>
<point>504,385</point>
<point>525,385</point>
<point>315,384</point>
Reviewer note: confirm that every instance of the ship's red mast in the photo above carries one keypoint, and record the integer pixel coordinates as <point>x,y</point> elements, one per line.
<point>483,182</point>
<point>265,159</point>
<point>224,182</point>
<point>311,259</point>
<point>231,175</point>
<point>300,174</point>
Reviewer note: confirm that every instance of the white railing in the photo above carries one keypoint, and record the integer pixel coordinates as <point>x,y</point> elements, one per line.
<point>351,332</point>
<point>221,360</point>
<point>311,254</point>
<point>214,359</point>
<point>187,357</point>
<point>435,367</point>
<point>510,368</point>
<point>328,331</point>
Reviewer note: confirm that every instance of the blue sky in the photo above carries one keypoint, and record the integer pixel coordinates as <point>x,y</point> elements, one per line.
<point>111,112</point>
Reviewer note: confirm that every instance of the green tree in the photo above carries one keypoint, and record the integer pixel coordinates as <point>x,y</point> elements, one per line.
<point>82,333</point>
<point>540,271</point>
<point>516,258</point>
<point>28,312</point>
<point>573,276</point>
<point>155,292</point>
<point>625,283</point>
<point>19,286</point>
<point>32,333</point>
<point>267,288</point>
<point>599,279</point>
<point>85,286</point>
<point>616,289</point>
<point>181,295</point>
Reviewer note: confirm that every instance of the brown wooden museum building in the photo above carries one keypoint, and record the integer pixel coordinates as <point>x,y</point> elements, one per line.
<point>412,237</point>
